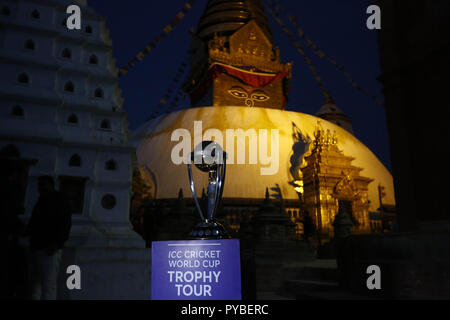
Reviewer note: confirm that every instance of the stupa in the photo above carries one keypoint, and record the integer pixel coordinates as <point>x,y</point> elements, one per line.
<point>238,82</point>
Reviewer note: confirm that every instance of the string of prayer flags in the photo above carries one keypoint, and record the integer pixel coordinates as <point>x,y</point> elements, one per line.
<point>300,50</point>
<point>169,100</point>
<point>152,45</point>
<point>278,7</point>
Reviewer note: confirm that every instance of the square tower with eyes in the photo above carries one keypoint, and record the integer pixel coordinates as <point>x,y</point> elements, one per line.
<point>242,69</point>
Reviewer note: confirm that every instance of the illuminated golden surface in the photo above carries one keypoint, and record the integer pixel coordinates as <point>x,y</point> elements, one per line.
<point>331,180</point>
<point>245,180</point>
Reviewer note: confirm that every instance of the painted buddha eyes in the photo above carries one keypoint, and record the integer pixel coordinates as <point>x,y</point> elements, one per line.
<point>259,96</point>
<point>255,96</point>
<point>238,93</point>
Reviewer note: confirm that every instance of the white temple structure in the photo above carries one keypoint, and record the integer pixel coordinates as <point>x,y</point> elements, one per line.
<point>60,104</point>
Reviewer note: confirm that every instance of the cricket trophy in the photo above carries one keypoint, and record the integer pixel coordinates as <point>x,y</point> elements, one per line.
<point>209,157</point>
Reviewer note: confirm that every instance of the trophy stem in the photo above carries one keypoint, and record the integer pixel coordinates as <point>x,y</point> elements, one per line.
<point>212,192</point>
<point>194,194</point>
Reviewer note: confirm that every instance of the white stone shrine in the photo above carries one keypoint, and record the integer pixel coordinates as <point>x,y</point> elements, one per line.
<point>60,104</point>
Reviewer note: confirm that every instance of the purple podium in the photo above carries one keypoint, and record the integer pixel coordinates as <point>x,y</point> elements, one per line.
<point>196,270</point>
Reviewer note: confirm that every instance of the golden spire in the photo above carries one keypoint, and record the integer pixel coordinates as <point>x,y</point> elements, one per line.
<point>234,61</point>
<point>324,139</point>
<point>226,16</point>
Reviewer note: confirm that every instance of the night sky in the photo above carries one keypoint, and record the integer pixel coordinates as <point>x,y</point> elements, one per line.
<point>338,27</point>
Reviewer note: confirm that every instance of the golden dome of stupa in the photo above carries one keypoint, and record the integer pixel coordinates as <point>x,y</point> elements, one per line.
<point>247,181</point>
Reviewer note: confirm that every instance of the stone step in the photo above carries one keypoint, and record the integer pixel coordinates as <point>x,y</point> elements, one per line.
<point>330,295</point>
<point>314,276</point>
<point>305,289</point>
<point>304,284</point>
<point>311,273</point>
<point>318,269</point>
<point>270,295</point>
<point>284,255</point>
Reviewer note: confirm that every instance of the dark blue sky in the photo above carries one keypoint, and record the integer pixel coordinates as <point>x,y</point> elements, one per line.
<point>337,26</point>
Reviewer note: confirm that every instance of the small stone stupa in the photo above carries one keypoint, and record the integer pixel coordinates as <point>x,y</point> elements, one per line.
<point>272,223</point>
<point>271,248</point>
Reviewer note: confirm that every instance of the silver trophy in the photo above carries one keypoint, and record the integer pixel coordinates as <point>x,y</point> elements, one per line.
<point>209,157</point>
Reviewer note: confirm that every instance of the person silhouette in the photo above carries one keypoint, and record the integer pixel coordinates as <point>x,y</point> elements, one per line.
<point>49,229</point>
<point>308,227</point>
<point>11,278</point>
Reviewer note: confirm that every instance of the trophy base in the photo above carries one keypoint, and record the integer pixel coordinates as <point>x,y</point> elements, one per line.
<point>208,229</point>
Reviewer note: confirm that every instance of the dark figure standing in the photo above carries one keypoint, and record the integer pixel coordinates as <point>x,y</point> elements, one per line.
<point>148,226</point>
<point>13,268</point>
<point>308,227</point>
<point>49,228</point>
